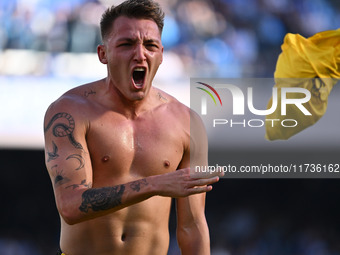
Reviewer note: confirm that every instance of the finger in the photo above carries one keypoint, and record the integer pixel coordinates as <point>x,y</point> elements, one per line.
<point>197,190</point>
<point>200,173</point>
<point>202,182</point>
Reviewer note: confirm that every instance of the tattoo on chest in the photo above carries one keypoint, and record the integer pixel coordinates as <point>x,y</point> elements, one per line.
<point>136,185</point>
<point>100,199</point>
<point>62,129</point>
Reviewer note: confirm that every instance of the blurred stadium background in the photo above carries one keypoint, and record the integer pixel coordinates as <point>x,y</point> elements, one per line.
<point>48,47</point>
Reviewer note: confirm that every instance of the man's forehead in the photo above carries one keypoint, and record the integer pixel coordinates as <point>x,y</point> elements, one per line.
<point>125,27</point>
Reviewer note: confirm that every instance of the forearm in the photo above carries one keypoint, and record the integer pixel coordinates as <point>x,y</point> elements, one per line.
<point>194,239</point>
<point>85,204</point>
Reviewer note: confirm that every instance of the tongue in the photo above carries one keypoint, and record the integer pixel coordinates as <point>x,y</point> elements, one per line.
<point>138,77</point>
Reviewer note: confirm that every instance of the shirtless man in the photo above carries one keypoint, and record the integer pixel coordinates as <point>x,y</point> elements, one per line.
<point>117,150</point>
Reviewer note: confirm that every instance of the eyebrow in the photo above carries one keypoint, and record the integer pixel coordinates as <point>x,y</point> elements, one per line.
<point>152,41</point>
<point>126,39</point>
<point>131,40</point>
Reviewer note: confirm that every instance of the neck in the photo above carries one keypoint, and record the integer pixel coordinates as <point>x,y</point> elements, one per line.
<point>129,108</point>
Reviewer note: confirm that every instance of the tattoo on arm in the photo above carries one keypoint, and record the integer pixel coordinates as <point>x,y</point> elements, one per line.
<point>79,158</point>
<point>62,129</point>
<point>54,154</point>
<point>60,178</point>
<point>136,185</point>
<point>82,183</point>
<point>100,199</point>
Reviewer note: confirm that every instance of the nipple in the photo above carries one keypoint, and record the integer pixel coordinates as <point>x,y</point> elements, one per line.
<point>166,163</point>
<point>106,158</point>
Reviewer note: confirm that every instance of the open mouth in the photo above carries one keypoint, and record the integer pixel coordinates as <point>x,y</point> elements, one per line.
<point>138,76</point>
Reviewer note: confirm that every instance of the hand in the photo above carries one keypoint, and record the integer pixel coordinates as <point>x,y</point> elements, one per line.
<point>184,182</point>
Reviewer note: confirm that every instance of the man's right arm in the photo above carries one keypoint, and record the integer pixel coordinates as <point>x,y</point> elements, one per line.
<point>69,166</point>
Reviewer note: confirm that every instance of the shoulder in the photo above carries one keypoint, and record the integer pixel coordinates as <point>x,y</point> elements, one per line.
<point>74,104</point>
<point>180,111</point>
<point>172,104</point>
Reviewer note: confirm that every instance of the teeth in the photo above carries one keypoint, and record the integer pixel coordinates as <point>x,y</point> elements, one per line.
<point>140,69</point>
<point>138,76</point>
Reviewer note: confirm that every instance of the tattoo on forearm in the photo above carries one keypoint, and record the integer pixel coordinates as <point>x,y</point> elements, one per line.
<point>82,183</point>
<point>54,154</point>
<point>100,199</point>
<point>136,185</point>
<point>62,130</point>
<point>79,158</point>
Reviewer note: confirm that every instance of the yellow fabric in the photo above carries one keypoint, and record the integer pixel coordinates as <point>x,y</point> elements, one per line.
<point>301,61</point>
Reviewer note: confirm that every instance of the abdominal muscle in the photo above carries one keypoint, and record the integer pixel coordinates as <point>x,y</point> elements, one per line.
<point>138,229</point>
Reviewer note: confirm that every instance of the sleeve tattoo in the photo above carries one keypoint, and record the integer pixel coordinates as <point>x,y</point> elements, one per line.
<point>136,185</point>
<point>54,154</point>
<point>62,129</point>
<point>82,183</point>
<point>99,199</point>
<point>59,178</point>
<point>79,158</point>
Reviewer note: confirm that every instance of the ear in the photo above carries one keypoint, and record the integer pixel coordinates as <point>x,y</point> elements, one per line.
<point>102,53</point>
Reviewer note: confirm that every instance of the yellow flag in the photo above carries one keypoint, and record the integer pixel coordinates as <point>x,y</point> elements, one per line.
<point>312,63</point>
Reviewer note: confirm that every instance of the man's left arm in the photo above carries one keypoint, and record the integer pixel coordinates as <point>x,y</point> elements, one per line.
<point>192,228</point>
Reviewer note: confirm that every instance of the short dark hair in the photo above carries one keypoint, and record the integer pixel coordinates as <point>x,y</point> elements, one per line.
<point>140,9</point>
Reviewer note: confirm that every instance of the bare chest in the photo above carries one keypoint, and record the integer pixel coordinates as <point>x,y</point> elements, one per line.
<point>122,150</point>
